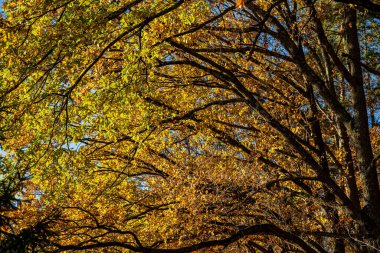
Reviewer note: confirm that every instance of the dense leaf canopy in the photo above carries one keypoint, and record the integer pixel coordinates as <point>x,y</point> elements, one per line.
<point>180,126</point>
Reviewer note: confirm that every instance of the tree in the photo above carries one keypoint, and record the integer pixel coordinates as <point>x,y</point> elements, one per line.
<point>372,7</point>
<point>179,126</point>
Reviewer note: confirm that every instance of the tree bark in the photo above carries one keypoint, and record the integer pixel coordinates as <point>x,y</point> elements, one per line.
<point>360,131</point>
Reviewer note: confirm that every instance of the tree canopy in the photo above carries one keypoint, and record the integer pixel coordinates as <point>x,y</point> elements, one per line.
<point>182,126</point>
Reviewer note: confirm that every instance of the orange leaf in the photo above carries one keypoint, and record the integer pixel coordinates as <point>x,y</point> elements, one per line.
<point>240,3</point>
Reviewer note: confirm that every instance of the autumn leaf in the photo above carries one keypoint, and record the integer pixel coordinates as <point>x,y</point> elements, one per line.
<point>240,3</point>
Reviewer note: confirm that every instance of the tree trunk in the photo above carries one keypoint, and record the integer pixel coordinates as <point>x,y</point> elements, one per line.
<point>360,131</point>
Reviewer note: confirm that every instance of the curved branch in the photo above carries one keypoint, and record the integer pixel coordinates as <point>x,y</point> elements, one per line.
<point>261,229</point>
